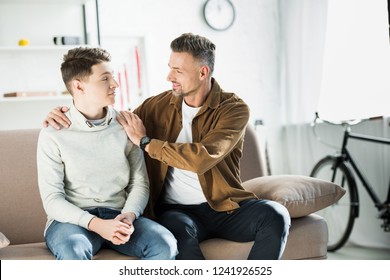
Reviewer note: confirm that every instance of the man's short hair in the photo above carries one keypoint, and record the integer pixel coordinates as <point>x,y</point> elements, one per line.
<point>199,47</point>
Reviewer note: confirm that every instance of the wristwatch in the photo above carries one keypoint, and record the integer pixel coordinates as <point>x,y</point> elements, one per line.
<point>143,142</point>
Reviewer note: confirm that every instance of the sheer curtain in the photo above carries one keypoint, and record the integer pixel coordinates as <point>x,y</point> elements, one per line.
<point>303,30</point>
<point>336,60</point>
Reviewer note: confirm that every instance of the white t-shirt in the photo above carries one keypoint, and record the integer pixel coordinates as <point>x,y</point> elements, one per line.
<point>182,186</point>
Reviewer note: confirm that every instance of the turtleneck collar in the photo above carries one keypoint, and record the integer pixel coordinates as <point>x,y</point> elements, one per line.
<point>83,123</point>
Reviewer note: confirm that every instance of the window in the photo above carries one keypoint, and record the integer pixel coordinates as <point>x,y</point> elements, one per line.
<point>356,73</point>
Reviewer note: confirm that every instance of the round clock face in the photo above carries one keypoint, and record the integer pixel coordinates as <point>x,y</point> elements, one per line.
<point>219,14</point>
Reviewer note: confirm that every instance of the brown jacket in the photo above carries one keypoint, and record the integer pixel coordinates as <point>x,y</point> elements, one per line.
<point>214,154</point>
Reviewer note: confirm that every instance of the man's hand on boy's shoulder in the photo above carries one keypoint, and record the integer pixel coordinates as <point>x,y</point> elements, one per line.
<point>57,117</point>
<point>133,126</point>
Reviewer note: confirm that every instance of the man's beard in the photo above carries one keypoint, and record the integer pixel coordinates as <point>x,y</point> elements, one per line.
<point>179,93</point>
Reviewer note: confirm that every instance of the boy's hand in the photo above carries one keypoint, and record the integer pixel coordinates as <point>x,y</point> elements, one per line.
<point>112,230</point>
<point>127,218</point>
<point>57,117</point>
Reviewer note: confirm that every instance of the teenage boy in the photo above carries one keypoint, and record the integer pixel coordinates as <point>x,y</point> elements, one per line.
<point>93,181</point>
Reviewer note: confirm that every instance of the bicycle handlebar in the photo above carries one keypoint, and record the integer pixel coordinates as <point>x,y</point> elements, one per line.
<point>351,122</point>
<point>345,124</point>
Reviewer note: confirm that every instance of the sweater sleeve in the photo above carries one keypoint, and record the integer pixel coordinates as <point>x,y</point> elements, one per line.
<point>138,187</point>
<point>51,184</point>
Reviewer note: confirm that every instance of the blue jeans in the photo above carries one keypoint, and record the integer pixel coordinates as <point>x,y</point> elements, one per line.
<point>265,222</point>
<point>150,240</point>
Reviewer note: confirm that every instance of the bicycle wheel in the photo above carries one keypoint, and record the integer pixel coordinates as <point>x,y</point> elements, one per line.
<point>341,215</point>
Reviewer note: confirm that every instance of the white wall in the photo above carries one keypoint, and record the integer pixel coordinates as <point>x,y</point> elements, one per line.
<point>247,59</point>
<point>247,53</point>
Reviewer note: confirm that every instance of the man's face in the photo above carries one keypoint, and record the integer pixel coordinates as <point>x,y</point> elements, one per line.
<point>100,86</point>
<point>184,74</point>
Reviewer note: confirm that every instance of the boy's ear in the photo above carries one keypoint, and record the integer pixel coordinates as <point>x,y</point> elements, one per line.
<point>77,86</point>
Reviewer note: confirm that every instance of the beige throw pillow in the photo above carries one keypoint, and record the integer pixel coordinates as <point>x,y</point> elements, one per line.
<point>301,195</point>
<point>4,242</point>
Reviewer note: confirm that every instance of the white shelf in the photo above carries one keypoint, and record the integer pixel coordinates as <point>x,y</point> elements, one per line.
<point>44,1</point>
<point>34,98</point>
<point>38,48</point>
<point>49,18</point>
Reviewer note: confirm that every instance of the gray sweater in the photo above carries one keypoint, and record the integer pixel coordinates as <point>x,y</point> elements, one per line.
<point>89,166</point>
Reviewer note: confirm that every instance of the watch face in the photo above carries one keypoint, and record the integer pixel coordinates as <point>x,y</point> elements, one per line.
<point>145,140</point>
<point>219,14</point>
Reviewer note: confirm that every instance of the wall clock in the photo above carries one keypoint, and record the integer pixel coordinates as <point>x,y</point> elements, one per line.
<point>219,14</point>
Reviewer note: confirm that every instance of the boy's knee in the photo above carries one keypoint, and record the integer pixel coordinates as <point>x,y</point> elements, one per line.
<point>164,246</point>
<point>73,249</point>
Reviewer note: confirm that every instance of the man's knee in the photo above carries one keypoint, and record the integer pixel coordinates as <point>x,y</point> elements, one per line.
<point>178,223</point>
<point>279,217</point>
<point>186,232</point>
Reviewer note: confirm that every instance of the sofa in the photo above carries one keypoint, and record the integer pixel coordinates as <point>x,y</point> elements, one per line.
<point>22,218</point>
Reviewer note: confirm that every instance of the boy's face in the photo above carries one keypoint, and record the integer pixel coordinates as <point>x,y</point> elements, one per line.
<point>99,88</point>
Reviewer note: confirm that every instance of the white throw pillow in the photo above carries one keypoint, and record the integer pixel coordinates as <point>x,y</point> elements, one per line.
<point>4,242</point>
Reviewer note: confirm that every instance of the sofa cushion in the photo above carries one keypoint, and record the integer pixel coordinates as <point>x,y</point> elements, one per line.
<point>39,251</point>
<point>307,240</point>
<point>4,242</point>
<point>301,195</point>
<point>29,251</point>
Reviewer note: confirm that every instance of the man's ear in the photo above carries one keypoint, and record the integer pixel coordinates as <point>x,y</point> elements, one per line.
<point>77,86</point>
<point>204,72</point>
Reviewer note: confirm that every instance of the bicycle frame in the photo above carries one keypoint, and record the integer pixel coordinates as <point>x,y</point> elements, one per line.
<point>344,152</point>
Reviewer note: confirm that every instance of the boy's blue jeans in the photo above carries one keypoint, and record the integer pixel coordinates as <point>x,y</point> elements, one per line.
<point>150,240</point>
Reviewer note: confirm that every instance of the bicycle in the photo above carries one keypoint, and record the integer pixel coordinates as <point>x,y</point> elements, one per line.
<point>341,169</point>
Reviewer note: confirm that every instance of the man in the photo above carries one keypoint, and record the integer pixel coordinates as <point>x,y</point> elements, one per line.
<point>92,180</point>
<point>192,137</point>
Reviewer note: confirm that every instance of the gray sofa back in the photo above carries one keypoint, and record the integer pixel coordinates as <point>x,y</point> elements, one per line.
<point>20,203</point>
